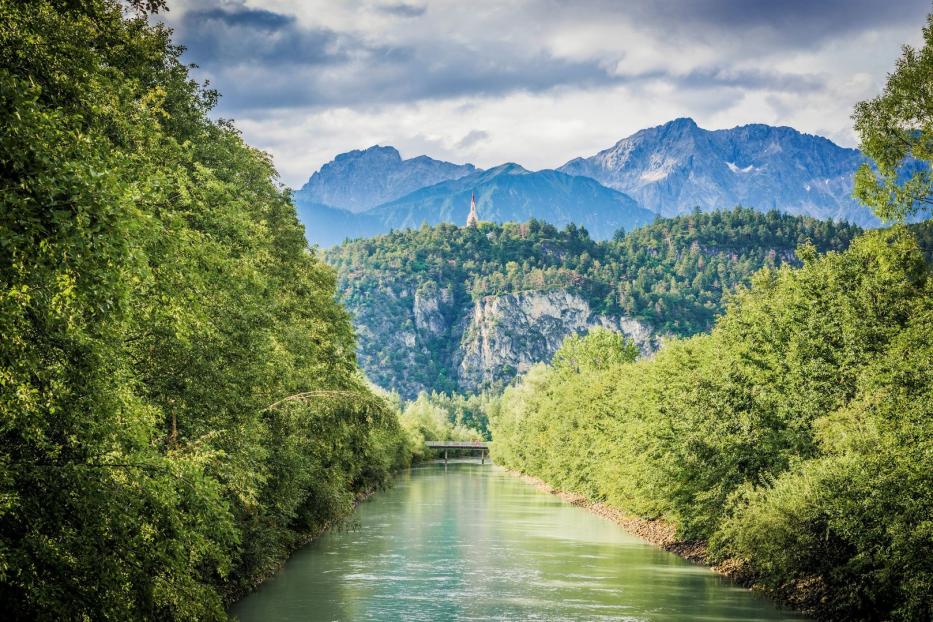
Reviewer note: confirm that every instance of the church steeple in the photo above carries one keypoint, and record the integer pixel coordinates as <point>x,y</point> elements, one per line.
<point>472,219</point>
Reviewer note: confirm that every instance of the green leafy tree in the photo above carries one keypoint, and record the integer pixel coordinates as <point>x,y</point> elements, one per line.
<point>179,400</point>
<point>598,349</point>
<point>896,131</point>
<point>673,275</point>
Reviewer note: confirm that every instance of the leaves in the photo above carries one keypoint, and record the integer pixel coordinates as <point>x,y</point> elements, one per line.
<point>796,436</point>
<point>896,131</point>
<point>156,295</point>
<point>674,275</point>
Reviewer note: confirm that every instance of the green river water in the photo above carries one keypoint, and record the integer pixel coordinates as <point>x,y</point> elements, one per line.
<point>471,542</point>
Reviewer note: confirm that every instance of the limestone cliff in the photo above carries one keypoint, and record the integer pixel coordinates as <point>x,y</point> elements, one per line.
<point>507,334</point>
<point>482,343</point>
<point>451,308</point>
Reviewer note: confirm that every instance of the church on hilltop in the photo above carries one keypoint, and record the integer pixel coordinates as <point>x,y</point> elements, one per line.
<point>472,219</point>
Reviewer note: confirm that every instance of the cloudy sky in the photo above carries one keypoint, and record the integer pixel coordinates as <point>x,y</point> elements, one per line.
<point>531,81</point>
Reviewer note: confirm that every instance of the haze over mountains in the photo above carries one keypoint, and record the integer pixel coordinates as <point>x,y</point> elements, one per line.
<point>511,193</point>
<point>665,170</point>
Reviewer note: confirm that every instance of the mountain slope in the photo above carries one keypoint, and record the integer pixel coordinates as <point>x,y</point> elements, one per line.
<point>510,193</point>
<point>327,226</point>
<point>672,168</point>
<point>361,179</point>
<point>458,309</point>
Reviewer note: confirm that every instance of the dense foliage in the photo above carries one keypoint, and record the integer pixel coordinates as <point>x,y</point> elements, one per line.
<point>179,399</point>
<point>796,437</point>
<point>435,418</point>
<point>896,131</point>
<point>672,275</point>
<point>469,412</point>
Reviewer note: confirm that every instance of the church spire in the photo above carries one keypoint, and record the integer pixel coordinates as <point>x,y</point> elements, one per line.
<point>472,219</point>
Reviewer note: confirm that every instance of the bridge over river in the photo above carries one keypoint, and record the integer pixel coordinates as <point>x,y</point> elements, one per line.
<point>448,445</point>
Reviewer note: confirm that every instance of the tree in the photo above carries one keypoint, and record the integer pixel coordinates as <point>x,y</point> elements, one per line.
<point>896,131</point>
<point>179,399</point>
<point>599,349</point>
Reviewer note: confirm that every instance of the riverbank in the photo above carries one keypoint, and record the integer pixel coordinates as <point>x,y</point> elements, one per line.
<point>664,535</point>
<point>237,593</point>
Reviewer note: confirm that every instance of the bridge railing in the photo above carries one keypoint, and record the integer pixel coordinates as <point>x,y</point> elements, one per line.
<point>457,444</point>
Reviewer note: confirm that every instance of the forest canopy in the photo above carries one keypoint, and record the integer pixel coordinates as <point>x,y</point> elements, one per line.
<point>673,276</point>
<point>180,404</point>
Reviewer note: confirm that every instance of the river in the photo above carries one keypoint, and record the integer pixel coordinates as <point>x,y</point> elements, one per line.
<point>471,542</point>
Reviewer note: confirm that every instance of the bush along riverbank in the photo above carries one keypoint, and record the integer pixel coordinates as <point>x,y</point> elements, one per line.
<point>180,404</point>
<point>794,440</point>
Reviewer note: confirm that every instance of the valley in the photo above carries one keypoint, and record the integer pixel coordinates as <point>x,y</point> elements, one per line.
<point>222,398</point>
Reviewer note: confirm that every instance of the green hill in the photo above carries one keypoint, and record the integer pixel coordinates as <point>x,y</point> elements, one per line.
<point>450,308</point>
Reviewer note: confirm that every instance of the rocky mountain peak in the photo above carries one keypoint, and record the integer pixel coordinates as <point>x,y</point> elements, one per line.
<point>675,167</point>
<point>370,156</point>
<point>363,178</point>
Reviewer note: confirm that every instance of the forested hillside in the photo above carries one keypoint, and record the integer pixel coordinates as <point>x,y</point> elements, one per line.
<point>414,294</point>
<point>180,404</point>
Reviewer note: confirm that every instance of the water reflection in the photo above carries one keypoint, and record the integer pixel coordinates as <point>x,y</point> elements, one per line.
<point>471,542</point>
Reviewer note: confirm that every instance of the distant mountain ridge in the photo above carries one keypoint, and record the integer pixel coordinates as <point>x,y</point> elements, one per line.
<point>511,193</point>
<point>665,170</point>
<point>361,179</point>
<point>674,167</point>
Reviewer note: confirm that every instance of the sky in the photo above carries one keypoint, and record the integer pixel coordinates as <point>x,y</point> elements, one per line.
<point>537,82</point>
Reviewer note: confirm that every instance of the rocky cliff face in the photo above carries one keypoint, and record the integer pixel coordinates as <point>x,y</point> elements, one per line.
<point>432,311</point>
<point>505,335</point>
<point>477,344</point>
<point>487,342</point>
<point>454,308</point>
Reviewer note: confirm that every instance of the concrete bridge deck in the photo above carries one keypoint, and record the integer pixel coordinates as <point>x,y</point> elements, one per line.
<point>447,445</point>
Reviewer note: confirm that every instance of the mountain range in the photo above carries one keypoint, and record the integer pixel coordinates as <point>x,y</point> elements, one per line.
<point>665,170</point>
<point>358,180</point>
<point>672,168</point>
<point>511,193</point>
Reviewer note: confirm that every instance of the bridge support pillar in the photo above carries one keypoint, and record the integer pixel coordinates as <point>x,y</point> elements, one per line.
<point>482,457</point>
<point>445,457</point>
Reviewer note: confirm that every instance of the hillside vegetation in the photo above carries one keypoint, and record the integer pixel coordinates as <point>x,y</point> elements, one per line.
<point>671,275</point>
<point>180,404</point>
<point>792,438</point>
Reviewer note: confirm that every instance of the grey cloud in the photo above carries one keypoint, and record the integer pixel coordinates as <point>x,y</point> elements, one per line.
<point>264,59</point>
<point>792,15</point>
<point>795,23</point>
<point>261,59</point>
<point>219,38</point>
<point>725,77</point>
<point>402,9</point>
<point>473,137</point>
